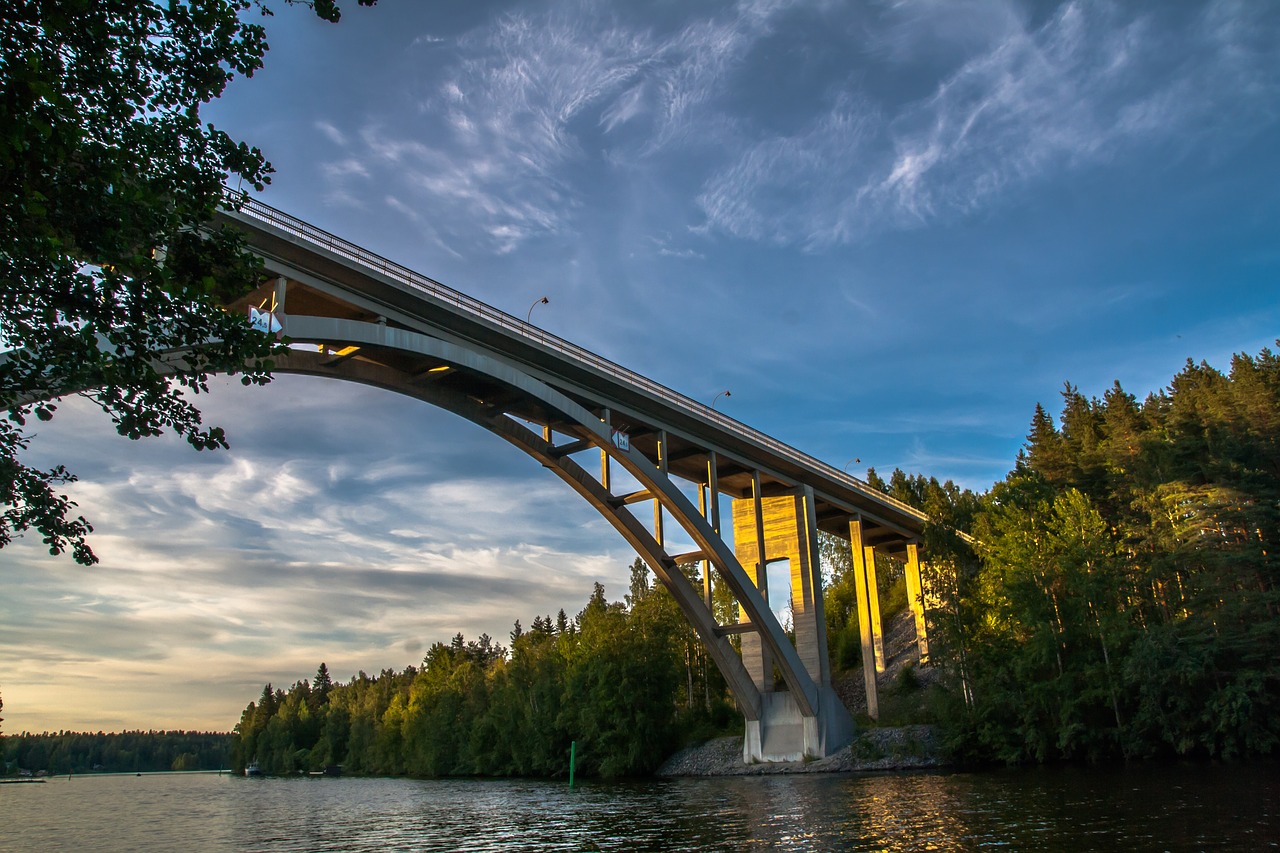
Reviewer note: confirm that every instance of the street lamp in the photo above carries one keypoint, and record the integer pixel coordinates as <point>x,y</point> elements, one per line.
<point>724,393</point>
<point>543,301</point>
<point>850,462</point>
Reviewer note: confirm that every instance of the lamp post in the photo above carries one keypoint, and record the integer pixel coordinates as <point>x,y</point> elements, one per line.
<point>529,317</point>
<point>724,393</point>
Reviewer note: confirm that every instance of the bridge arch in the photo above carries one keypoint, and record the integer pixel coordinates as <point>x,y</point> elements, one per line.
<point>588,432</point>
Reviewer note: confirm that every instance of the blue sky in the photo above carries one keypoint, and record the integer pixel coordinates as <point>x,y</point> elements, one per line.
<point>890,229</point>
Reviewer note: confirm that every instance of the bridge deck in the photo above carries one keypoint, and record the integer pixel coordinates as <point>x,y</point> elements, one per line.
<point>330,277</point>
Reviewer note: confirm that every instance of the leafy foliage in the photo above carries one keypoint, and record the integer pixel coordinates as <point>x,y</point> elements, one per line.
<point>1121,599</point>
<point>110,276</point>
<point>621,680</point>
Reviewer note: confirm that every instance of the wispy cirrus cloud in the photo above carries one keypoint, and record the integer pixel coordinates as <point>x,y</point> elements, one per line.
<point>780,188</point>
<point>529,101</point>
<point>1088,85</point>
<point>500,131</point>
<point>944,111</point>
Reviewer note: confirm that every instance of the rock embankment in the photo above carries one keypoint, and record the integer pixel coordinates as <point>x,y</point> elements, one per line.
<point>902,748</point>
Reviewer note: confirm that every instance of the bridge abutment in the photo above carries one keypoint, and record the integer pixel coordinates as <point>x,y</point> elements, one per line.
<point>784,733</point>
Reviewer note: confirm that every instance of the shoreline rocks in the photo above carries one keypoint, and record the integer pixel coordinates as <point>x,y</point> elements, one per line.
<point>881,749</point>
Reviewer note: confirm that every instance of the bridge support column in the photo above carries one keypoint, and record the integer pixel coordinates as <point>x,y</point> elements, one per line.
<point>864,579</point>
<point>751,537</point>
<point>767,530</point>
<point>915,597</point>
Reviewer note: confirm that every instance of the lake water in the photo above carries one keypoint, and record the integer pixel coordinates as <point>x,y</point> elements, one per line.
<point>1152,808</point>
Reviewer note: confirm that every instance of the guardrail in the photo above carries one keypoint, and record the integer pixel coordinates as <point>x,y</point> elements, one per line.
<point>338,246</point>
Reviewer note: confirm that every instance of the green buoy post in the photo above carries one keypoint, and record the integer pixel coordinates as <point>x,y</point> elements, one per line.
<point>573,754</point>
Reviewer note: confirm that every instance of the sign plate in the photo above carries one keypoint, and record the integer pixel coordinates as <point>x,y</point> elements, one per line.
<point>621,440</point>
<point>265,321</point>
<point>268,320</point>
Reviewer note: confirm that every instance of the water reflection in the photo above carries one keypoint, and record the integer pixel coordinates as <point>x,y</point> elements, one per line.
<point>1157,808</point>
<point>881,813</point>
<point>907,813</point>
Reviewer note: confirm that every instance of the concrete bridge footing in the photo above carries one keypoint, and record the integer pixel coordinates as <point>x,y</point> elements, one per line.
<point>783,733</point>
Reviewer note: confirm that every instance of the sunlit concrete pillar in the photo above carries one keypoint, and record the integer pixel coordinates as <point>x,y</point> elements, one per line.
<point>709,499</point>
<point>750,543</point>
<point>787,528</point>
<point>808,610</point>
<point>866,593</point>
<point>605,479</point>
<point>915,598</point>
<point>873,589</point>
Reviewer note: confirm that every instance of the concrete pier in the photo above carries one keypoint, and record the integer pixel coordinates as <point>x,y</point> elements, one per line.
<point>783,527</point>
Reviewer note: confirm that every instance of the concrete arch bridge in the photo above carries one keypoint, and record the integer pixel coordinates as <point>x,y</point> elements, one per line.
<point>584,418</point>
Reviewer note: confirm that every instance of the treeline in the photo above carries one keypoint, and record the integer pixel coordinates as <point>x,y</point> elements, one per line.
<point>1120,596</point>
<point>628,681</point>
<point>123,752</point>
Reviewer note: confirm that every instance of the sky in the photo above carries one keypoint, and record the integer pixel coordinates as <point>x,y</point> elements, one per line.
<point>890,229</point>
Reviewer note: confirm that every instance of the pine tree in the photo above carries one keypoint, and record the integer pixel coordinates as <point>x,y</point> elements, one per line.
<point>1046,452</point>
<point>267,707</point>
<point>323,684</point>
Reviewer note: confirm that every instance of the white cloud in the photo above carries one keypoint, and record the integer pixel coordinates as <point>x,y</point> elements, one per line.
<point>780,189</point>
<point>320,535</point>
<point>1087,86</point>
<point>511,121</point>
<point>334,135</point>
<point>960,468</point>
<point>350,167</point>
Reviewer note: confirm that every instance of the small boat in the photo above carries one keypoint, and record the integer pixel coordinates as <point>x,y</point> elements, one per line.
<point>252,769</point>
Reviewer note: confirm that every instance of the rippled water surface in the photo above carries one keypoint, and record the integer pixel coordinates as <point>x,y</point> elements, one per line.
<point>1164,808</point>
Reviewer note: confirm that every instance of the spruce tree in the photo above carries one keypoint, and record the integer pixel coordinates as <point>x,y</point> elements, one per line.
<point>323,684</point>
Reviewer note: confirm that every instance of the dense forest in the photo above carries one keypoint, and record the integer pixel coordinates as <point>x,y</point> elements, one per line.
<point>123,752</point>
<point>626,680</point>
<point>1119,598</point>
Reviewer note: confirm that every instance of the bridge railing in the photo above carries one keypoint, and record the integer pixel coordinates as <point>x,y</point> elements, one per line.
<point>338,246</point>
